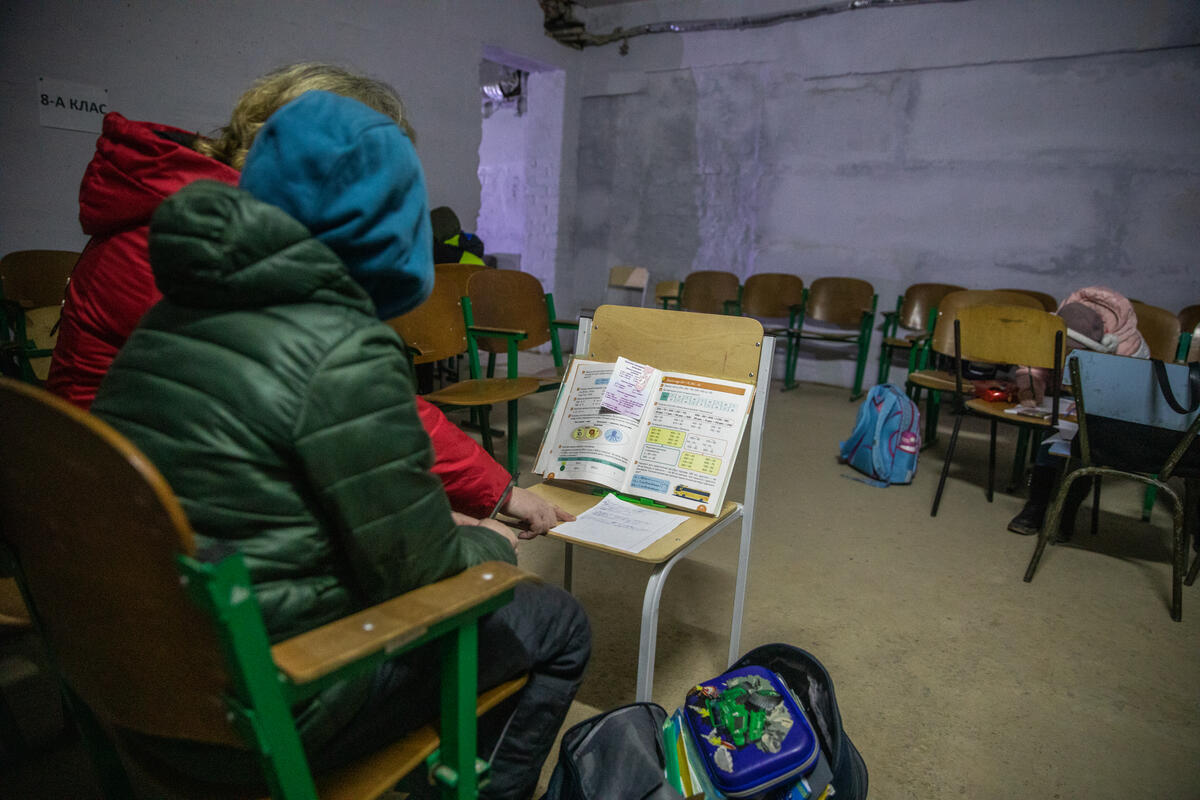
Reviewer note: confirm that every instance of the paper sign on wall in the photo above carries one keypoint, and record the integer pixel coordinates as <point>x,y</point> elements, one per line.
<point>74,106</point>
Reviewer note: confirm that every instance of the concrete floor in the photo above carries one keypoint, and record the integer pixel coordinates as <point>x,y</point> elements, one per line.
<point>955,678</point>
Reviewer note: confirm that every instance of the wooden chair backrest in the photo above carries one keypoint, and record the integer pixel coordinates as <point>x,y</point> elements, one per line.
<point>95,529</point>
<point>943,330</point>
<point>1012,335</point>
<point>919,299</point>
<point>458,275</point>
<point>706,291</point>
<point>36,278</point>
<point>1189,318</point>
<point>506,298</point>
<point>770,294</point>
<point>712,345</point>
<point>666,289</point>
<point>1160,329</point>
<point>839,301</point>
<point>435,329</point>
<point>626,277</point>
<point>1047,301</point>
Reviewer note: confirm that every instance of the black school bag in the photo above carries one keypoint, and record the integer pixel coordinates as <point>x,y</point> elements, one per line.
<point>615,755</point>
<point>810,682</point>
<point>618,754</point>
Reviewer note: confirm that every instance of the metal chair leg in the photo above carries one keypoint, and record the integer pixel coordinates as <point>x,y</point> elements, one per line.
<point>937,498</point>
<point>991,461</point>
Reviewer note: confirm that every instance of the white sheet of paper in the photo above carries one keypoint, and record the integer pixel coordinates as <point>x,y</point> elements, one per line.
<point>621,525</point>
<point>628,389</point>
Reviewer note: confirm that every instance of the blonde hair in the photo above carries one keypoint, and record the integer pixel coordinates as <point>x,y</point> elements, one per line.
<point>278,88</point>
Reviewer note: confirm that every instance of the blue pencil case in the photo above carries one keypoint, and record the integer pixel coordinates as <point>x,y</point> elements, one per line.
<point>750,732</point>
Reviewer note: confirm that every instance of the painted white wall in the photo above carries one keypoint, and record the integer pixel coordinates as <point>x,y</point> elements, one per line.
<point>990,143</point>
<point>186,63</point>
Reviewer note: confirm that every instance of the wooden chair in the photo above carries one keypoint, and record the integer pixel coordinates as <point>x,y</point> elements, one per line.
<point>771,298</point>
<point>1111,391</point>
<point>32,286</point>
<point>436,331</point>
<point>1161,330</point>
<point>923,371</point>
<point>916,311</point>
<point>1047,302</point>
<point>841,303</point>
<point>1003,335</point>
<point>717,346</point>
<point>666,294</point>
<point>508,311</point>
<point>149,640</point>
<point>709,291</point>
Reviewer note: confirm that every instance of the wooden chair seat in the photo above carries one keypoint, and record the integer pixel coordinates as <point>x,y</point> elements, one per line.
<point>989,408</point>
<point>484,392</point>
<point>939,380</point>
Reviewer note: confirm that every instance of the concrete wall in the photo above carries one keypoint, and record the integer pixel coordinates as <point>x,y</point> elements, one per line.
<point>990,143</point>
<point>186,63</point>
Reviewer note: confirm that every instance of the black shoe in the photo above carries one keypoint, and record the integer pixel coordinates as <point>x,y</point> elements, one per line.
<point>1029,521</point>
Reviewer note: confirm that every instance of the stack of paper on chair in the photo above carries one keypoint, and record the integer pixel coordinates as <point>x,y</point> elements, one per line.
<point>620,525</point>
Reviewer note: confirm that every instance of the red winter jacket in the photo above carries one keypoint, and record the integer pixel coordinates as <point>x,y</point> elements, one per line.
<point>136,166</point>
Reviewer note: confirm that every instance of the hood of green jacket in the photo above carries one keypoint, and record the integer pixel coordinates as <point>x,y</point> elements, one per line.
<point>216,247</point>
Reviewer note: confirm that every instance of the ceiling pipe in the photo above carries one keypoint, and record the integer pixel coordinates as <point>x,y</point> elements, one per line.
<point>561,24</point>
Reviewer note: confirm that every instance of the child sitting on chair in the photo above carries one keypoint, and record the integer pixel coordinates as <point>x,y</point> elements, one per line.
<point>281,411</point>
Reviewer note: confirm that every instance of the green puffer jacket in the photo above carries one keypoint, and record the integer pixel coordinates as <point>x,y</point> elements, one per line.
<point>282,413</point>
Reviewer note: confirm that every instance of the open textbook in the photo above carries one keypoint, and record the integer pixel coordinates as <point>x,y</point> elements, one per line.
<point>668,437</point>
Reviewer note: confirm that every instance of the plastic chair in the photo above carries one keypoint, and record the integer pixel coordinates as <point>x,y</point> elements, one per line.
<point>916,311</point>
<point>771,298</point>
<point>1003,335</point>
<point>508,311</point>
<point>32,286</point>
<point>1127,429</point>
<point>923,371</point>
<point>842,303</point>
<point>1048,303</point>
<point>723,346</point>
<point>710,291</point>
<point>149,640</point>
<point>436,331</point>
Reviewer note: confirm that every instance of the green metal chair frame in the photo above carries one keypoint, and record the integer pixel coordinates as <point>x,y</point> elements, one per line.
<point>221,627</point>
<point>1087,469</point>
<point>843,315</point>
<point>916,310</point>
<point>516,337</point>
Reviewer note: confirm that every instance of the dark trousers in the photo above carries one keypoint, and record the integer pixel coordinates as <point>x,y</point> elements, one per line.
<point>543,632</point>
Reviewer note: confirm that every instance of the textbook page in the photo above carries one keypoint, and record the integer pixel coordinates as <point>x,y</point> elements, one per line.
<point>691,440</point>
<point>586,442</point>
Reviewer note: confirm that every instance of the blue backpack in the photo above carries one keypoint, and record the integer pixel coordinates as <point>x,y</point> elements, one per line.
<point>886,437</point>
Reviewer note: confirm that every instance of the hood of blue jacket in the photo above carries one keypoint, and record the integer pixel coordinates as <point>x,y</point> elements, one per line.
<point>350,175</point>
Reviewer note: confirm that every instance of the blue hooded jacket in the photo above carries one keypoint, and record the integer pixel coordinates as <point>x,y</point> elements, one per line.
<point>350,175</point>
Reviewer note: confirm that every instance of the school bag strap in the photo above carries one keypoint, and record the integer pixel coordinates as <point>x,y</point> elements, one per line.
<point>1164,386</point>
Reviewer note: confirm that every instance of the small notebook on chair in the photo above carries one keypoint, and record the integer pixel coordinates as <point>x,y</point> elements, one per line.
<point>666,437</point>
